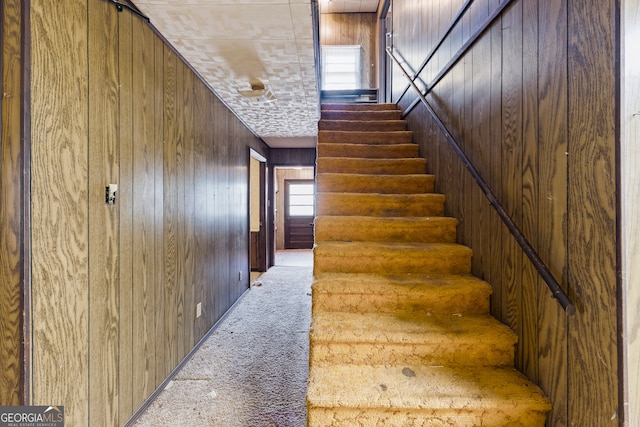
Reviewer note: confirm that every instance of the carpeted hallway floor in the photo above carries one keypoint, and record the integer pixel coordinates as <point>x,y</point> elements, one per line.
<point>252,370</point>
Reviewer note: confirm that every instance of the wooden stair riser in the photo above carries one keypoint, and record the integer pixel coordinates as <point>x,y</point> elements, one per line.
<point>364,137</point>
<point>363,125</point>
<point>367,229</point>
<point>381,151</point>
<point>371,166</point>
<point>379,205</point>
<point>374,258</point>
<point>361,115</point>
<point>379,184</point>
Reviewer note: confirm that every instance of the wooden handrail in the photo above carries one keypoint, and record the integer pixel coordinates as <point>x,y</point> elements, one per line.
<point>556,290</point>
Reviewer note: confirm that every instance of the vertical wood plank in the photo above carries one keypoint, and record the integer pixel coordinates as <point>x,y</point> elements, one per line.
<point>592,213</point>
<point>495,153</point>
<point>179,135</point>
<point>480,142</point>
<point>125,206</point>
<point>467,210</point>
<point>59,150</point>
<point>457,172</point>
<point>217,247</point>
<point>170,199</point>
<point>162,367</point>
<point>189,212</point>
<point>530,281</point>
<point>104,287</point>
<point>201,214</point>
<point>223,258</point>
<point>11,204</point>
<point>552,197</point>
<point>238,197</point>
<point>143,217</point>
<point>512,166</point>
<point>210,304</point>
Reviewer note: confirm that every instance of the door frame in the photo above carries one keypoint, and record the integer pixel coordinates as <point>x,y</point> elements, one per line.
<point>262,240</point>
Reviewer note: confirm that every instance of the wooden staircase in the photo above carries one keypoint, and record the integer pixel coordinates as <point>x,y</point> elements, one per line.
<point>401,333</point>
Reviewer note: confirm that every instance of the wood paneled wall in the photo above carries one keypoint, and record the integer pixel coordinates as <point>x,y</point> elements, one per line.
<point>12,212</point>
<point>533,106</point>
<point>293,156</point>
<point>115,286</point>
<point>353,29</point>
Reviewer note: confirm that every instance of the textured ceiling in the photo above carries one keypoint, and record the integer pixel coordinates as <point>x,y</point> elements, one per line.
<point>234,43</point>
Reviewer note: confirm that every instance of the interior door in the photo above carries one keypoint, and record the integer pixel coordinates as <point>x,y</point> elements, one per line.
<point>299,214</point>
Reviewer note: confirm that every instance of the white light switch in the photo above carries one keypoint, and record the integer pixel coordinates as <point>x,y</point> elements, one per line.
<point>112,189</point>
<point>198,310</point>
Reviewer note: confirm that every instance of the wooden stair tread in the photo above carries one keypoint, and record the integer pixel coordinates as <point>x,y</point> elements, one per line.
<point>358,107</point>
<point>374,257</point>
<point>364,125</point>
<point>406,284</point>
<point>409,248</point>
<point>422,387</point>
<point>412,328</point>
<point>370,151</point>
<point>326,114</point>
<point>380,205</point>
<point>365,137</point>
<point>385,229</point>
<point>398,166</point>
<point>443,294</point>
<point>374,183</point>
<point>411,337</point>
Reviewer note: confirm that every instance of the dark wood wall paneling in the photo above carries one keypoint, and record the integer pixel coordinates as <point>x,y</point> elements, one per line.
<point>115,287</point>
<point>532,104</point>
<point>12,191</point>
<point>353,29</point>
<point>293,156</point>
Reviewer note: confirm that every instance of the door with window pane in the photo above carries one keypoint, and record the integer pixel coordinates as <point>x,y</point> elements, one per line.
<point>299,214</point>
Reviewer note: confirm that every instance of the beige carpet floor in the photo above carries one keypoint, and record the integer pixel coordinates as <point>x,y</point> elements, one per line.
<point>252,370</point>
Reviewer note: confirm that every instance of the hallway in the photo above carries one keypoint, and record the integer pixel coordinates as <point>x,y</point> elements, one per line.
<point>252,370</point>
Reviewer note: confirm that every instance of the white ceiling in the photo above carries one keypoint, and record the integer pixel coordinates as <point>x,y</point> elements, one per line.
<point>232,43</point>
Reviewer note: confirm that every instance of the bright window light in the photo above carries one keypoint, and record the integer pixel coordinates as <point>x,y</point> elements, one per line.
<point>301,200</point>
<point>341,67</point>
